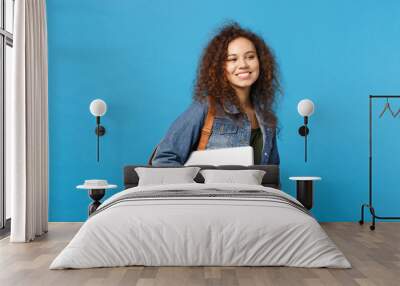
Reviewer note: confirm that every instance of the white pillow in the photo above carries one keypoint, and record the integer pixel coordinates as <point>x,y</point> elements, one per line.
<point>164,176</point>
<point>248,177</point>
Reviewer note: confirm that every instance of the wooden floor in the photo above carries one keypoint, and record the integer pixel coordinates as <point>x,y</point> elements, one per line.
<point>375,257</point>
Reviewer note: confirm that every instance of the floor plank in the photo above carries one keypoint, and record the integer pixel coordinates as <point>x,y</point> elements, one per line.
<point>374,255</point>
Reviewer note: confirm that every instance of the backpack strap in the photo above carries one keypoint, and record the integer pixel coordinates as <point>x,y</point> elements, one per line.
<point>150,160</point>
<point>208,124</point>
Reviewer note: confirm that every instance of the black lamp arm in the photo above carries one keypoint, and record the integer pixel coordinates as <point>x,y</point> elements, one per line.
<point>303,131</point>
<point>100,130</point>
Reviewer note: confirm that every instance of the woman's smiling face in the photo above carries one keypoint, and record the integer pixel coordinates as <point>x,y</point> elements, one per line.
<point>242,66</point>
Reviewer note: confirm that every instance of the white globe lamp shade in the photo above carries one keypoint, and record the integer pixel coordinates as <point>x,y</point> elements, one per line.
<point>98,107</point>
<point>305,107</point>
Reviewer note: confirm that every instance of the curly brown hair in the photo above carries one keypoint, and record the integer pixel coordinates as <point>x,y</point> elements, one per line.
<point>211,79</point>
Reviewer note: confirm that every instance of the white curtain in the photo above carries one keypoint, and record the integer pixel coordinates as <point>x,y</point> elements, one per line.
<point>27,124</point>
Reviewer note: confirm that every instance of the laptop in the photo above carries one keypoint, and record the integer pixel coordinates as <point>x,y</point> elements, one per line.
<point>226,156</point>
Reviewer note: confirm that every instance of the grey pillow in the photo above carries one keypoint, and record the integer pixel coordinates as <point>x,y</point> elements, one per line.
<point>163,176</point>
<point>248,177</point>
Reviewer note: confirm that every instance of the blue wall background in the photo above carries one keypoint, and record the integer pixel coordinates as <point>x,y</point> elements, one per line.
<point>141,58</point>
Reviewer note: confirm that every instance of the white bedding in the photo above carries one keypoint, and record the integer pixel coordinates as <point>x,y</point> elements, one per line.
<point>200,231</point>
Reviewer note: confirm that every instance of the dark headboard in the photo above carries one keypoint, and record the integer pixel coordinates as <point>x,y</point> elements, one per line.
<point>270,179</point>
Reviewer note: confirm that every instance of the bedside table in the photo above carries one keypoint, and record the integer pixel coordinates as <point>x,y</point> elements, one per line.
<point>96,190</point>
<point>304,189</point>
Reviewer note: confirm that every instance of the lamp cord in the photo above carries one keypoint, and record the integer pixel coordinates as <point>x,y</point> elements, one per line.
<point>98,143</point>
<point>305,148</point>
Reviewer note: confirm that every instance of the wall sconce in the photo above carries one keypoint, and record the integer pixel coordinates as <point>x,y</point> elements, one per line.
<point>305,108</point>
<point>98,108</point>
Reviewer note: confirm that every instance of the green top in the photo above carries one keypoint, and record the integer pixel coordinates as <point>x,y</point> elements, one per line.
<point>256,141</point>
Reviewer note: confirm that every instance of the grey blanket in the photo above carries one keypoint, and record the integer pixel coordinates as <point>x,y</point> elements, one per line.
<point>201,225</point>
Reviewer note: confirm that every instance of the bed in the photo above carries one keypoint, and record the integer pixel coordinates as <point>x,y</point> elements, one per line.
<point>201,224</point>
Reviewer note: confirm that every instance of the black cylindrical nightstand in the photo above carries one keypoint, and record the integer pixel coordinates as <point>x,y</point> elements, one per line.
<point>304,189</point>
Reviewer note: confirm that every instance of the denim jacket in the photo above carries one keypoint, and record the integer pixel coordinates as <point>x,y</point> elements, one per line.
<point>183,136</point>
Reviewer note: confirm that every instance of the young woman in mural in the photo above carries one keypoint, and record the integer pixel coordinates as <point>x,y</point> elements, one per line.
<point>232,104</point>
